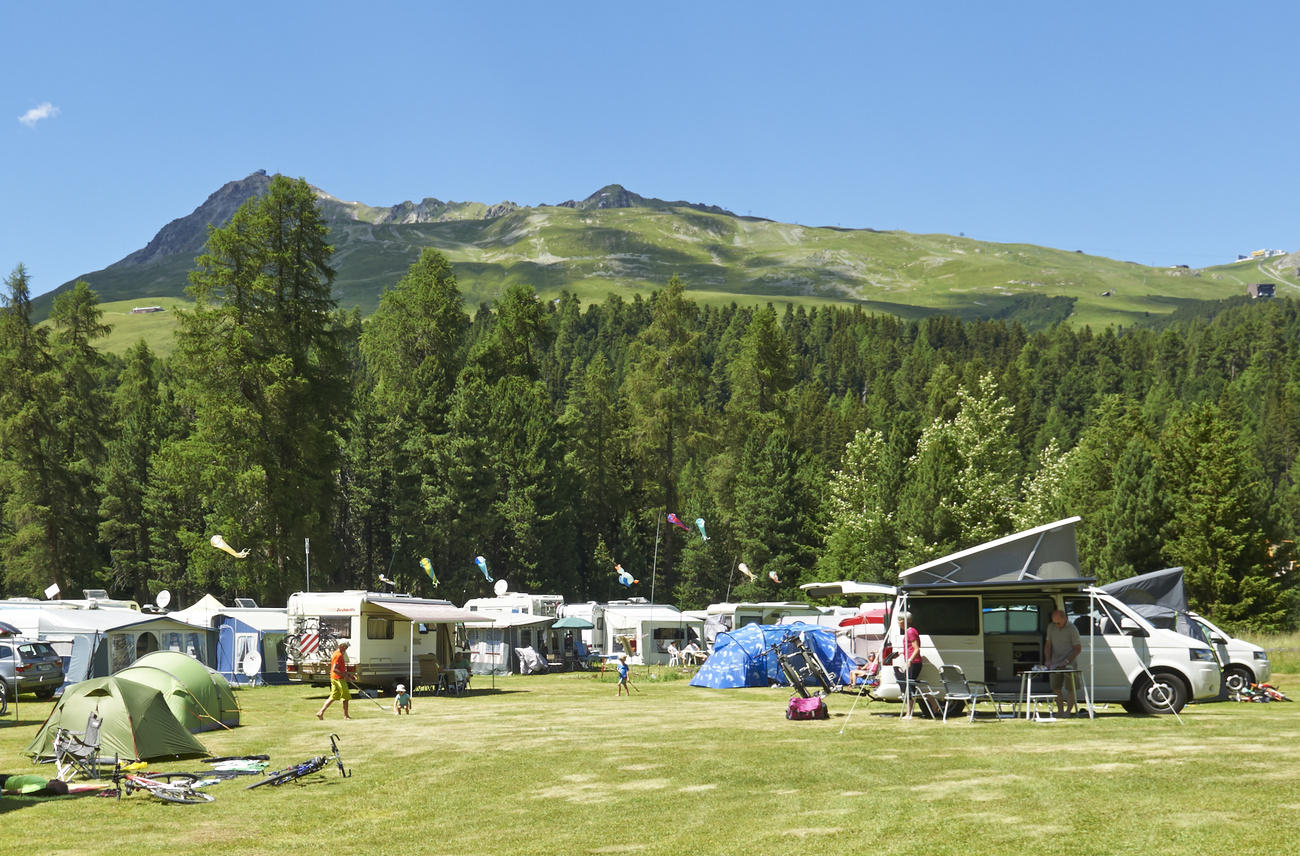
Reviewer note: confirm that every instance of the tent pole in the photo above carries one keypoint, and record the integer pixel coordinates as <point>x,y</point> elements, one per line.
<point>1092,652</point>
<point>410,652</point>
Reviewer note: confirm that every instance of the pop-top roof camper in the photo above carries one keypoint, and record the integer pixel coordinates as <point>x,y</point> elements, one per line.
<point>986,610</point>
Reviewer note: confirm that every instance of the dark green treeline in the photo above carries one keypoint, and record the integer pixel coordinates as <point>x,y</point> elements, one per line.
<point>552,438</point>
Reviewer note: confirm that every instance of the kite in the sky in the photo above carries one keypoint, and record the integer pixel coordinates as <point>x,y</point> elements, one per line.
<point>744,569</point>
<point>624,578</point>
<point>699,524</point>
<point>771,575</point>
<point>677,521</point>
<point>220,543</point>
<point>482,566</point>
<point>428,569</point>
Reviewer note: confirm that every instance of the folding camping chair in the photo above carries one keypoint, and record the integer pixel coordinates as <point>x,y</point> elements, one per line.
<point>78,751</point>
<point>957,688</point>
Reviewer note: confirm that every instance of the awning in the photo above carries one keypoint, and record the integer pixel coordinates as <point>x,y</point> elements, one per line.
<point>432,613</point>
<point>514,619</point>
<point>573,622</point>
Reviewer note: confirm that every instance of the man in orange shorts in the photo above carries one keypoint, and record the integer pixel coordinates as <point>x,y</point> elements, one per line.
<point>338,681</point>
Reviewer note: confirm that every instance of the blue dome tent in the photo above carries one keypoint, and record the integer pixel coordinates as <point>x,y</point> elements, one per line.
<point>745,657</point>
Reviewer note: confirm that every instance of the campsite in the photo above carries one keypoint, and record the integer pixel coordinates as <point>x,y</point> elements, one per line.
<point>558,764</point>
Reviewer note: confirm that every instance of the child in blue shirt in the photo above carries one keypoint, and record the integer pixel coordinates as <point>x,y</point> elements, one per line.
<point>622,675</point>
<point>401,701</point>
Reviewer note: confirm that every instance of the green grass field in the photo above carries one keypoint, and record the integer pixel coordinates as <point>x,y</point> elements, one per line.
<point>559,764</point>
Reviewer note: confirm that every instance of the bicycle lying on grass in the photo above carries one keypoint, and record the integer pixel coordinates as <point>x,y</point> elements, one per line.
<point>169,787</point>
<point>306,768</point>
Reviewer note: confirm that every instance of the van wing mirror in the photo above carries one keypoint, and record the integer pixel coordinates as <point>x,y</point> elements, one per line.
<point>1131,628</point>
<point>1216,639</point>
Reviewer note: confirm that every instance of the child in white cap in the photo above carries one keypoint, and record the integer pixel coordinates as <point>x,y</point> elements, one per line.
<point>401,701</point>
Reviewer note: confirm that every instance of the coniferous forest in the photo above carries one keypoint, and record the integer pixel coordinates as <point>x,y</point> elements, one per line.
<point>553,438</point>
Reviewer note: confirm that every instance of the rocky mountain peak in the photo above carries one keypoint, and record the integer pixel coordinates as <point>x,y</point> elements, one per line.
<point>188,234</point>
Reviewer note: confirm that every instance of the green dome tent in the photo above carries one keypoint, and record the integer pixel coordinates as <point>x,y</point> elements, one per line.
<point>137,723</point>
<point>199,697</point>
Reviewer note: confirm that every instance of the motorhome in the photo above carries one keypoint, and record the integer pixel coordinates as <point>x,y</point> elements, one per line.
<point>593,638</point>
<point>986,610</point>
<point>392,637</point>
<point>721,617</point>
<point>645,630</point>
<point>518,621</point>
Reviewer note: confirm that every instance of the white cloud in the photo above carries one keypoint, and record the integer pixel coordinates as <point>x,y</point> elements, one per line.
<point>36,114</point>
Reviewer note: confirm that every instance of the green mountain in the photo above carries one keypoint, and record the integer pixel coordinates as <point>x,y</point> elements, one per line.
<point>618,241</point>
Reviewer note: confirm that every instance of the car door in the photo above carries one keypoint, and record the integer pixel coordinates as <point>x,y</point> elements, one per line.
<point>1108,657</point>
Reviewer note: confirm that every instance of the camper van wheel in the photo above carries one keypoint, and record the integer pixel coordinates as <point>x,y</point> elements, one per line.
<point>4,699</point>
<point>1164,693</point>
<point>1237,678</point>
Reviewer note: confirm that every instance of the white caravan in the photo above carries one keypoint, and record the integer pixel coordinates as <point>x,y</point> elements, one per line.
<point>723,617</point>
<point>595,638</point>
<point>645,630</point>
<point>986,610</point>
<point>392,638</point>
<point>517,621</point>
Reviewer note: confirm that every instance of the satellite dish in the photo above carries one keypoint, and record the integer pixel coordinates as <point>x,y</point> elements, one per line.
<point>501,588</point>
<point>252,664</point>
<point>164,597</point>
<point>52,592</point>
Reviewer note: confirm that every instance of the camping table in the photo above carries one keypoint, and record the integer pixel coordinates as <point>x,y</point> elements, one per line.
<point>1028,697</point>
<point>694,658</point>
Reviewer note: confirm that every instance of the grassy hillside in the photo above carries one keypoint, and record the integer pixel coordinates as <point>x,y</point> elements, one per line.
<point>722,257</point>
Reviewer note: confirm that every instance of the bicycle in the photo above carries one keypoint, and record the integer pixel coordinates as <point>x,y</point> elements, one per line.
<point>169,787</point>
<point>305,768</point>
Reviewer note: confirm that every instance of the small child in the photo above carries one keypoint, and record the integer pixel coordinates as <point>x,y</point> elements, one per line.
<point>622,675</point>
<point>401,701</point>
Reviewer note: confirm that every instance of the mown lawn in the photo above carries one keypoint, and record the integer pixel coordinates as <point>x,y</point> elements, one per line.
<point>559,764</point>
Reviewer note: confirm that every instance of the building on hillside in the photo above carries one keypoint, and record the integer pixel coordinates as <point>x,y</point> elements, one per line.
<point>1260,289</point>
<point>142,310</point>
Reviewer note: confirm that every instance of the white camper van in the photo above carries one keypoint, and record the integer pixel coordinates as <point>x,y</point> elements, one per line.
<point>1244,663</point>
<point>391,637</point>
<point>986,610</point>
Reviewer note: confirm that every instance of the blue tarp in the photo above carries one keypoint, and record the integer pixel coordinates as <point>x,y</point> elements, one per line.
<point>744,657</point>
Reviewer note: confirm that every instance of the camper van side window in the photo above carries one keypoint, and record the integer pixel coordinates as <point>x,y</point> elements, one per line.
<point>1079,610</point>
<point>946,616</point>
<point>379,628</point>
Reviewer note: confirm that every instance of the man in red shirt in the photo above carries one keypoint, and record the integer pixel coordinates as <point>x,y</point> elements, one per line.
<point>338,681</point>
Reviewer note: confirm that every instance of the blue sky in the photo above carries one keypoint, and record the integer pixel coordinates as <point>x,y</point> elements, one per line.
<point>1162,133</point>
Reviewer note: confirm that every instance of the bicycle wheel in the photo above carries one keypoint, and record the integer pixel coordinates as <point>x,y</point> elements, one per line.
<point>181,794</point>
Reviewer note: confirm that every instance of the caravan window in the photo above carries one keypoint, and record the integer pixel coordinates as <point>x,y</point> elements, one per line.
<point>946,616</point>
<point>379,628</point>
<point>340,627</point>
